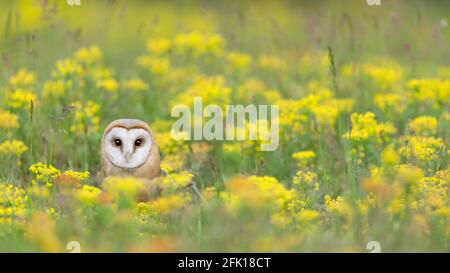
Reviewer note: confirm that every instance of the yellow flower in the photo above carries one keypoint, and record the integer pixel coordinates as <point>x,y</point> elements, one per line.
<point>389,156</point>
<point>13,147</point>
<point>20,99</point>
<point>390,103</point>
<point>196,44</point>
<point>158,46</point>
<point>123,186</point>
<point>55,88</point>
<point>109,85</point>
<point>306,180</point>
<point>443,212</point>
<point>304,157</point>
<point>168,204</point>
<point>23,78</point>
<point>88,195</point>
<point>424,125</point>
<point>135,85</point>
<point>44,174</point>
<point>67,68</point>
<point>422,148</point>
<point>396,206</point>
<point>175,181</point>
<point>432,91</point>
<point>212,89</point>
<point>88,55</point>
<point>77,175</point>
<point>86,118</point>
<point>307,215</point>
<point>365,126</point>
<point>13,203</point>
<point>8,120</point>
<point>384,76</point>
<point>239,61</point>
<point>338,206</point>
<point>260,191</point>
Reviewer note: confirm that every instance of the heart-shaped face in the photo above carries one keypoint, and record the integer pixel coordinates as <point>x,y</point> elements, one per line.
<point>127,149</point>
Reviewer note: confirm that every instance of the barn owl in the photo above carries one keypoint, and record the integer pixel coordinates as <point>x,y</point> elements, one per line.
<point>128,148</point>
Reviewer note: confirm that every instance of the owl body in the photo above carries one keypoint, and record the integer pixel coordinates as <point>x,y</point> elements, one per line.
<point>128,148</point>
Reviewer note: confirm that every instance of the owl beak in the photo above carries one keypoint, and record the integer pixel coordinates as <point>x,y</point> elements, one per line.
<point>127,156</point>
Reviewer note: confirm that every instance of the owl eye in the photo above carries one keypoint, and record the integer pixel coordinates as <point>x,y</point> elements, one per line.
<point>117,142</point>
<point>138,142</point>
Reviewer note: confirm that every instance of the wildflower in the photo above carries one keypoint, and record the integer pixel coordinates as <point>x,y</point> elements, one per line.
<point>158,46</point>
<point>20,99</point>
<point>175,181</point>
<point>422,148</point>
<point>13,203</point>
<point>390,103</point>
<point>168,204</point>
<point>135,85</point>
<point>260,191</point>
<point>384,76</point>
<point>109,85</point>
<point>364,127</point>
<point>307,215</point>
<point>424,125</point>
<point>55,88</point>
<point>303,158</point>
<point>338,206</point>
<point>99,73</point>
<point>13,147</point>
<point>196,44</point>
<point>239,61</point>
<point>396,206</point>
<point>8,120</point>
<point>23,78</point>
<point>306,180</point>
<point>44,174</point>
<point>77,175</point>
<point>67,68</point>
<point>88,195</point>
<point>86,118</point>
<point>212,90</point>
<point>389,156</point>
<point>88,55</point>
<point>128,187</point>
<point>433,91</point>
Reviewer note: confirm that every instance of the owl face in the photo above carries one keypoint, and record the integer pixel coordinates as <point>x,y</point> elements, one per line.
<point>127,148</point>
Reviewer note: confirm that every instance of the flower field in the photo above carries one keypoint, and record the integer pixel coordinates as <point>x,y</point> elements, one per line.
<point>364,125</point>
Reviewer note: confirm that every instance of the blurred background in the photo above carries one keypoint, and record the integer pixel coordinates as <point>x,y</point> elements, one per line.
<point>49,30</point>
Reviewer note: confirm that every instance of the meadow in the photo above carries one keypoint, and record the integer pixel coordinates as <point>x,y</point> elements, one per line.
<point>364,98</point>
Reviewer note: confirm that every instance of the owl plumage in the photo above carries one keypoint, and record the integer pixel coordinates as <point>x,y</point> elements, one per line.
<point>129,148</point>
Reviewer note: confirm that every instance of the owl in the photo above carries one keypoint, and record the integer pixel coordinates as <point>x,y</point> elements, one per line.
<point>128,148</point>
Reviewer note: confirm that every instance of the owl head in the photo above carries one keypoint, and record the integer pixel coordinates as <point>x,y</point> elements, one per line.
<point>129,148</point>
